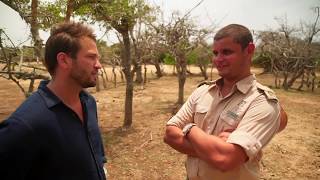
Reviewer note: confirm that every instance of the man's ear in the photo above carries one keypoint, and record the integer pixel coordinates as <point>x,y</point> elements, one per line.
<point>63,60</point>
<point>251,48</point>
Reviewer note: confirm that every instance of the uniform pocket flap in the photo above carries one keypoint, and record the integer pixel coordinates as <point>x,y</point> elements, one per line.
<point>229,117</point>
<point>201,109</point>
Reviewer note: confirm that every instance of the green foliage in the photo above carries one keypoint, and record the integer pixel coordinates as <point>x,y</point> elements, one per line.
<point>119,14</point>
<point>161,56</point>
<point>192,57</point>
<point>318,64</point>
<point>169,59</point>
<point>199,56</point>
<point>51,13</point>
<point>259,59</point>
<point>262,60</point>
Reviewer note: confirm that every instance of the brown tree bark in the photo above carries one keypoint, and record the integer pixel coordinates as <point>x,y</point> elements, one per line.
<point>158,69</point>
<point>69,11</point>
<point>126,64</point>
<point>136,61</point>
<point>182,75</point>
<point>35,29</point>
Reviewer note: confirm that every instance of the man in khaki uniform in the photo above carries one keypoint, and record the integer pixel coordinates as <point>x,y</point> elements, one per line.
<point>223,126</point>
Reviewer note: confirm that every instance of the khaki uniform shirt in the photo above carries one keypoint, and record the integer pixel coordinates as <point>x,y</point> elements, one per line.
<point>251,109</point>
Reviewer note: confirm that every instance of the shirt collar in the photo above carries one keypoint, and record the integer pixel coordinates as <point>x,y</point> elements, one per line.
<point>50,98</point>
<point>243,85</point>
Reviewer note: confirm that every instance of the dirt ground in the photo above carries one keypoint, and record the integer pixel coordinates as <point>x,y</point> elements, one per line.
<point>139,153</point>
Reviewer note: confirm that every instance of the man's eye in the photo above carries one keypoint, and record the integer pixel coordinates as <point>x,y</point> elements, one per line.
<point>92,57</point>
<point>227,52</point>
<point>215,53</point>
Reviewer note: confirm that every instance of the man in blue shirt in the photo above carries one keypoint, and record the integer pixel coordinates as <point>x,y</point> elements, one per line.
<point>54,134</point>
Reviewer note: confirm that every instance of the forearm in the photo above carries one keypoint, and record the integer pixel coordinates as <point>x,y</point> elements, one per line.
<point>204,144</point>
<point>216,151</point>
<point>175,138</point>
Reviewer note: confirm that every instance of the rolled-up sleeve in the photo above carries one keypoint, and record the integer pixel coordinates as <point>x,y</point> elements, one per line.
<point>257,127</point>
<point>186,112</point>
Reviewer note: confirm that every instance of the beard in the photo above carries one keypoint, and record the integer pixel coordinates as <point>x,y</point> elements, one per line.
<point>84,79</point>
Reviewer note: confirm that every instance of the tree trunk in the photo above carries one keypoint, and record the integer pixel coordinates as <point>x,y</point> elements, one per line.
<point>138,71</point>
<point>70,7</point>
<point>158,70</point>
<point>285,81</point>
<point>182,71</point>
<point>32,21</point>
<point>21,59</point>
<point>104,76</point>
<point>294,77</point>
<point>301,83</point>
<point>136,61</point>
<point>114,76</point>
<point>121,76</point>
<point>145,73</point>
<point>203,70</point>
<point>276,80</point>
<point>35,29</point>
<point>314,77</point>
<point>126,64</point>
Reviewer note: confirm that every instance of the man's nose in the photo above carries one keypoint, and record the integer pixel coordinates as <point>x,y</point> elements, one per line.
<point>217,58</point>
<point>98,64</point>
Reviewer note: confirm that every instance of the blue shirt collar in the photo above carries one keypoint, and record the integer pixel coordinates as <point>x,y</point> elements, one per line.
<point>50,98</point>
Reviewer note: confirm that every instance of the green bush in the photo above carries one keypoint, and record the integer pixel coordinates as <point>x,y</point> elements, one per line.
<point>192,58</point>
<point>169,59</point>
<point>262,61</point>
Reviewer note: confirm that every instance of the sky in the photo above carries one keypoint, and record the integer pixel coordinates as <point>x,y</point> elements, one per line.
<point>255,14</point>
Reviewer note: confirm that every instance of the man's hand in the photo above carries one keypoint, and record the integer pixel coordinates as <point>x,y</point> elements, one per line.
<point>216,151</point>
<point>175,138</point>
<point>225,134</point>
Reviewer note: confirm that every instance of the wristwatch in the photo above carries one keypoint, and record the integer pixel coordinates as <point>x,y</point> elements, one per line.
<point>186,129</point>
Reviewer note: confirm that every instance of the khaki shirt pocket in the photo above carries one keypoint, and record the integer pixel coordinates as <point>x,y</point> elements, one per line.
<point>229,120</point>
<point>200,113</point>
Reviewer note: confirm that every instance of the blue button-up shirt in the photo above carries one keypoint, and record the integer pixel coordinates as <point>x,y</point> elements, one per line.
<point>44,139</point>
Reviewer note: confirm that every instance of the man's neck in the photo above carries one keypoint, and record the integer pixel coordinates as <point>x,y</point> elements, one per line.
<point>66,92</point>
<point>228,84</point>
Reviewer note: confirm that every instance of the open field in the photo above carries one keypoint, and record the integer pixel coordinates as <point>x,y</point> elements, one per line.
<point>139,153</point>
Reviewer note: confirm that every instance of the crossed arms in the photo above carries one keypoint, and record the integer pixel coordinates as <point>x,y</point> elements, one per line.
<point>212,149</point>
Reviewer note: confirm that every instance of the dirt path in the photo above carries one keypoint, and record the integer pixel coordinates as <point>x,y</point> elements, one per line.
<point>10,97</point>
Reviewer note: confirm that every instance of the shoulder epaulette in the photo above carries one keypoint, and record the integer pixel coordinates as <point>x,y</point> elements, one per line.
<point>267,91</point>
<point>206,83</point>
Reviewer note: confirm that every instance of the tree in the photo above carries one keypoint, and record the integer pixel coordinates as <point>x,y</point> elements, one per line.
<point>143,14</point>
<point>289,56</point>
<point>22,8</point>
<point>122,16</point>
<point>181,36</point>
<point>201,56</point>
<point>151,44</point>
<point>9,71</point>
<point>177,34</point>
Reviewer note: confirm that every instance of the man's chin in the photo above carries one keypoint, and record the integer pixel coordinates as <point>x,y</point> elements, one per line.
<point>222,73</point>
<point>89,84</point>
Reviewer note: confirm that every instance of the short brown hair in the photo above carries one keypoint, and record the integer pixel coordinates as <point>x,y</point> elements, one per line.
<point>239,33</point>
<point>65,38</point>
